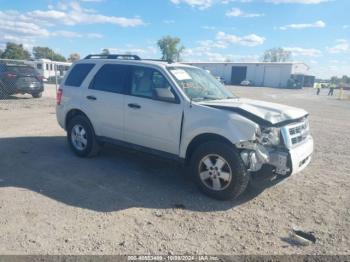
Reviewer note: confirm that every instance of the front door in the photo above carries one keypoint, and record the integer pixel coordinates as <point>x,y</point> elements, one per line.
<point>148,122</point>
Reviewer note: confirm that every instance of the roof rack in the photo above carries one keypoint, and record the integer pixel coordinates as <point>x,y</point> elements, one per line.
<point>159,60</point>
<point>114,56</point>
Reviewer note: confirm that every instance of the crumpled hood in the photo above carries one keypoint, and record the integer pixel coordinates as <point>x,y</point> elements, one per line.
<point>266,112</point>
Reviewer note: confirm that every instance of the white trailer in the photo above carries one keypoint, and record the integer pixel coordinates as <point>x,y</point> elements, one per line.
<point>48,69</point>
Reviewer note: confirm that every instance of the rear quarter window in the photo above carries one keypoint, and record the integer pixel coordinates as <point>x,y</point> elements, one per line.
<point>22,70</point>
<point>78,74</point>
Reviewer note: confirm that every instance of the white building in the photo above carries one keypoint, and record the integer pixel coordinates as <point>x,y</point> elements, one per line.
<point>261,74</point>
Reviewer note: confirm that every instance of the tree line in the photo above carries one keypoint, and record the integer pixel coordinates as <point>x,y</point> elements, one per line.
<point>170,47</point>
<point>340,80</point>
<point>18,52</point>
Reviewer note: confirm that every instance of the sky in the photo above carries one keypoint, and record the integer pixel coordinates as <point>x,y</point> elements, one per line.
<point>316,32</point>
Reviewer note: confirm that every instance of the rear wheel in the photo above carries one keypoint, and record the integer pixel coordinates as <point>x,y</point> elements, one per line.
<point>219,171</point>
<point>81,137</point>
<point>37,95</point>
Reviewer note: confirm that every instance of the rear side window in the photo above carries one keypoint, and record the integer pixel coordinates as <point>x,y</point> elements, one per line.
<point>78,74</point>
<point>110,78</point>
<point>22,70</point>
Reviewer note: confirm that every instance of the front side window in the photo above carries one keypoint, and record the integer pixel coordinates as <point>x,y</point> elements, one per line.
<point>198,84</point>
<point>78,74</point>
<point>145,80</point>
<point>39,66</point>
<point>110,78</point>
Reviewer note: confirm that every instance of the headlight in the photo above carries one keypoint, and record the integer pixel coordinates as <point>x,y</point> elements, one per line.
<point>269,136</point>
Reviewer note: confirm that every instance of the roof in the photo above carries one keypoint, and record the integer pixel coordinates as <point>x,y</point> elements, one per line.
<point>154,62</point>
<point>129,58</point>
<point>44,60</point>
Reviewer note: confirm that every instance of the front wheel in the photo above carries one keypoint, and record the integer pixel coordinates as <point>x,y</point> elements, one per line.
<point>219,170</point>
<point>81,137</point>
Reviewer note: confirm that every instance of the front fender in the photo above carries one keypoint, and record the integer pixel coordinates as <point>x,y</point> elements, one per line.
<point>200,119</point>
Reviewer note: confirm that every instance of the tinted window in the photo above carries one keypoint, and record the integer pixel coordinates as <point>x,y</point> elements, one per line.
<point>144,80</point>
<point>78,74</point>
<point>39,66</point>
<point>110,78</point>
<point>22,70</point>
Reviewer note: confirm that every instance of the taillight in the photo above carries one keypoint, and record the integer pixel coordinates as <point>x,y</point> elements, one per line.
<point>12,76</point>
<point>59,96</point>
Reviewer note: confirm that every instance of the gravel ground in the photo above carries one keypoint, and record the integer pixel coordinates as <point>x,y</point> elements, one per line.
<point>126,203</point>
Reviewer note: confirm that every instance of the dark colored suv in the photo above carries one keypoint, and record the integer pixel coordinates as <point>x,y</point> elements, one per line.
<point>20,79</point>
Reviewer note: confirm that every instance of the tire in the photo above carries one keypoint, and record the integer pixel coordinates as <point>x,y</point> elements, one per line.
<point>37,95</point>
<point>82,143</point>
<point>231,173</point>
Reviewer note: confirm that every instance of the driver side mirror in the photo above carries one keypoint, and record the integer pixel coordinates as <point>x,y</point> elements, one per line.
<point>164,94</point>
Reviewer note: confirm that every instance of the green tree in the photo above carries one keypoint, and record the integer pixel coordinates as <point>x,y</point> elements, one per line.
<point>74,57</point>
<point>105,51</point>
<point>345,79</point>
<point>15,51</point>
<point>41,52</point>
<point>276,55</point>
<point>335,80</point>
<point>170,48</point>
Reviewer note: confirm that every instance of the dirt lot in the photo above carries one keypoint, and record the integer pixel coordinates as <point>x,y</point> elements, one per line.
<point>125,203</point>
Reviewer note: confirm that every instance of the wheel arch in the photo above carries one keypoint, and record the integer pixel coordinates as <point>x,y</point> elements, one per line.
<point>202,138</point>
<point>72,113</point>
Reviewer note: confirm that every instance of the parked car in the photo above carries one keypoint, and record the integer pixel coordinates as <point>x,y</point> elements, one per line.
<point>246,83</point>
<point>182,113</point>
<point>20,79</point>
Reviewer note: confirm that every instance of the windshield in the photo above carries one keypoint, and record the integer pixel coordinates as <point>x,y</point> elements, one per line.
<point>199,85</point>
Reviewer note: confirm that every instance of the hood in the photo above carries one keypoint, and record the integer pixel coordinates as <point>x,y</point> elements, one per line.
<point>260,112</point>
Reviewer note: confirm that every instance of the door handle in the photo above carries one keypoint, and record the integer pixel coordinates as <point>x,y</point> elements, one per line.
<point>91,98</point>
<point>134,106</point>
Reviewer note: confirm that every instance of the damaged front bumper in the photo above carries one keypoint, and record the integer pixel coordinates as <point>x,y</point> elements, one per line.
<point>285,161</point>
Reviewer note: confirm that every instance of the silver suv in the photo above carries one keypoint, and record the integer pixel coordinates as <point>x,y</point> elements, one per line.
<point>182,113</point>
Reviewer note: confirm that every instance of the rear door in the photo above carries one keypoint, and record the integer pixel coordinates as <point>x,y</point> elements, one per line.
<point>148,122</point>
<point>103,101</point>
